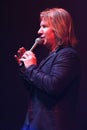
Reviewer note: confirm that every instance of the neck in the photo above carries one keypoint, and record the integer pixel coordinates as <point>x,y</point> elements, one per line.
<point>53,48</point>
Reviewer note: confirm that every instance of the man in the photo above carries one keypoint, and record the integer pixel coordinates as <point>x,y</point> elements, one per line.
<point>53,85</point>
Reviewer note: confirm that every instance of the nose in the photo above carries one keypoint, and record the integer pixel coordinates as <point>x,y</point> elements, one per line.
<point>40,31</point>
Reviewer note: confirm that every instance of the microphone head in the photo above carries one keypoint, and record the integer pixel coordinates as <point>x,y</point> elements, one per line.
<point>38,40</point>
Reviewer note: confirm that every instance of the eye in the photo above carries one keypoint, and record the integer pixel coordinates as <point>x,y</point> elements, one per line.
<point>44,26</point>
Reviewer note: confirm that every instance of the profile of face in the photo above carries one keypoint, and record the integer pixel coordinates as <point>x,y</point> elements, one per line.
<point>47,35</point>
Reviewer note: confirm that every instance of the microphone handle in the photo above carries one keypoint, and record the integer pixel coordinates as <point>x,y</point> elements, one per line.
<point>34,45</point>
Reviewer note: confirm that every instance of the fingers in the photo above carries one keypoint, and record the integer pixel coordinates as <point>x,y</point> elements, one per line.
<point>28,59</point>
<point>21,51</point>
<point>17,59</point>
<point>28,54</point>
<point>25,56</point>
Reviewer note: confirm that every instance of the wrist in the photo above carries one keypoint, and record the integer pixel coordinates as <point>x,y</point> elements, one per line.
<point>22,66</point>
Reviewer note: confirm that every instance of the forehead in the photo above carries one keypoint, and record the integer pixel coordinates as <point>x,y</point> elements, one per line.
<point>45,22</point>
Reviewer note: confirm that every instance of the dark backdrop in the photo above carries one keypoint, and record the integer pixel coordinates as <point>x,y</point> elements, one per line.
<point>19,26</point>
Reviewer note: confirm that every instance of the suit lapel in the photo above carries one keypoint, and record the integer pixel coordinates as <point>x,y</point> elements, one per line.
<point>52,54</point>
<point>44,61</point>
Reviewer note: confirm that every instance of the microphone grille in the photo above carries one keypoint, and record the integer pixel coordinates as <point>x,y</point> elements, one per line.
<point>38,40</point>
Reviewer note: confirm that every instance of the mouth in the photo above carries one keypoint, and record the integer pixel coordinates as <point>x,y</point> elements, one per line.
<point>43,39</point>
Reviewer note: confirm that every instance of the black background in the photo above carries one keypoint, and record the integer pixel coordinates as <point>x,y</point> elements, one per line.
<point>19,26</point>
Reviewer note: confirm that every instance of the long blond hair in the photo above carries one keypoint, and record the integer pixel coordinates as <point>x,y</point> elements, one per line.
<point>61,22</point>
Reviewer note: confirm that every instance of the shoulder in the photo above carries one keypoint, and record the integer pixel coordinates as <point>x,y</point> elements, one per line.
<point>68,54</point>
<point>67,51</point>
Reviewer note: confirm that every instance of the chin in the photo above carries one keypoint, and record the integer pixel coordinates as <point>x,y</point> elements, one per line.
<point>44,43</point>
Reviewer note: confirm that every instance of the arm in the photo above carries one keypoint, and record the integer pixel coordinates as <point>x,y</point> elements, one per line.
<point>64,69</point>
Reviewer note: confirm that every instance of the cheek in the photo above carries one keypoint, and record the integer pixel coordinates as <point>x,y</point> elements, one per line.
<point>51,35</point>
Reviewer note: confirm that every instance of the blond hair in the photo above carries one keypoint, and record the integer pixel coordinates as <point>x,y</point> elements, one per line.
<point>61,23</point>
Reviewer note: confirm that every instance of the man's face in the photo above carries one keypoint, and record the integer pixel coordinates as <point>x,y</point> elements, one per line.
<point>47,34</point>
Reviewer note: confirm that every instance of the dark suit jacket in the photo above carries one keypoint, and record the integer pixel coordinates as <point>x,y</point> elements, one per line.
<point>53,88</point>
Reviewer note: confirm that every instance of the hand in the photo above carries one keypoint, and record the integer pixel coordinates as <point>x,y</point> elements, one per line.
<point>28,58</point>
<point>19,55</point>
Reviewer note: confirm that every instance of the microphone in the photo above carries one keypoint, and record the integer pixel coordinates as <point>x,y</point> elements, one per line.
<point>37,41</point>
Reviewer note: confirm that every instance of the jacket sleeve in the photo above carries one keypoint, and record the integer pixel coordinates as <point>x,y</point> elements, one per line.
<point>64,70</point>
